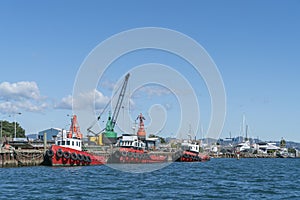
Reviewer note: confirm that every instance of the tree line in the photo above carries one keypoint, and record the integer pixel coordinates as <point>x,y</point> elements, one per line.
<point>8,129</point>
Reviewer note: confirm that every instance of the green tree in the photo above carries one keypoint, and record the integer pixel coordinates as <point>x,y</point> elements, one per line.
<point>282,143</point>
<point>162,140</point>
<point>8,129</point>
<point>292,150</point>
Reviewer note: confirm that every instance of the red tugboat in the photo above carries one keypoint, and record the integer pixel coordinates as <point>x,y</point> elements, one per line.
<point>132,148</point>
<point>190,153</point>
<point>67,150</point>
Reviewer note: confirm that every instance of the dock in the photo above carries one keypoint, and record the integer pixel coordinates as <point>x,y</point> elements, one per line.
<point>20,157</point>
<point>22,153</point>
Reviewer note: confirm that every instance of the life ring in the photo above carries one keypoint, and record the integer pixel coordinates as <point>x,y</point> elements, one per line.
<point>186,156</point>
<point>66,155</point>
<point>124,153</point>
<point>74,156</point>
<point>59,153</point>
<point>135,155</point>
<point>88,159</point>
<point>50,153</point>
<point>130,154</point>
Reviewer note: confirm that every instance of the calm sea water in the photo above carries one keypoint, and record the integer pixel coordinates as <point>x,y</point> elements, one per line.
<point>216,179</point>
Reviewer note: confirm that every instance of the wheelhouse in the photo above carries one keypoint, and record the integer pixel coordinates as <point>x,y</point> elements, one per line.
<point>70,142</point>
<point>193,147</point>
<point>131,141</point>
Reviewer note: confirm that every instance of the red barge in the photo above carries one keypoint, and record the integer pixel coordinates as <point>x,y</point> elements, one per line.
<point>67,150</point>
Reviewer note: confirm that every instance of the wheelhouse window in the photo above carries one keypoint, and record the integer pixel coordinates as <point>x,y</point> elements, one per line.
<point>68,142</point>
<point>72,143</point>
<point>58,143</point>
<point>63,143</point>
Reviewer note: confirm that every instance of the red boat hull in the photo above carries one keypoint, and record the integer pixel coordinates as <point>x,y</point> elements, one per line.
<point>63,156</point>
<point>128,155</point>
<point>187,156</point>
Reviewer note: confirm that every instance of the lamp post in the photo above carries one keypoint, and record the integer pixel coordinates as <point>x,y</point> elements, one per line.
<point>16,124</point>
<point>1,131</point>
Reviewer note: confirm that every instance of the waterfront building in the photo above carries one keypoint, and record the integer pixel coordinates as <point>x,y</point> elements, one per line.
<point>265,147</point>
<point>51,134</point>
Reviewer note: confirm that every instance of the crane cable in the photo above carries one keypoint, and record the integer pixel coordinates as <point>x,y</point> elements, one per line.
<point>98,118</point>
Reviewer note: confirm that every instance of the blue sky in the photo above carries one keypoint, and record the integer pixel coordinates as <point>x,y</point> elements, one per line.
<point>255,45</point>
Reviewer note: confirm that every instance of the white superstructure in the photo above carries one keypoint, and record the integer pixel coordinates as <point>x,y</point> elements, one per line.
<point>73,142</point>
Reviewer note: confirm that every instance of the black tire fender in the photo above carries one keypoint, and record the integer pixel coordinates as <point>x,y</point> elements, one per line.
<point>88,159</point>
<point>50,153</point>
<point>80,157</point>
<point>74,156</point>
<point>59,153</point>
<point>117,154</point>
<point>66,155</point>
<point>124,153</point>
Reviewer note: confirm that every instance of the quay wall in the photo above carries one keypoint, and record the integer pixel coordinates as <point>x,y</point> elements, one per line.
<point>22,157</point>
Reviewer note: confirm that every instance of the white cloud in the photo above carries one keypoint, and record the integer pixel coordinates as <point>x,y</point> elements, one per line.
<point>19,90</point>
<point>93,98</point>
<point>100,99</point>
<point>11,107</point>
<point>108,84</point>
<point>8,107</point>
<point>131,103</point>
<point>65,103</point>
<point>153,90</point>
<point>168,106</point>
<point>21,96</point>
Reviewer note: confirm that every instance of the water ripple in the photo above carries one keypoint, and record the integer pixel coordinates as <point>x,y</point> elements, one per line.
<point>217,179</point>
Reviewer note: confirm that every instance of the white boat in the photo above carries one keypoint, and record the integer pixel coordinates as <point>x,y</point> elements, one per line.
<point>243,147</point>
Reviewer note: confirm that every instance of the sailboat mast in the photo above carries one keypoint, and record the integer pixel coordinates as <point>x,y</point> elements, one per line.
<point>246,132</point>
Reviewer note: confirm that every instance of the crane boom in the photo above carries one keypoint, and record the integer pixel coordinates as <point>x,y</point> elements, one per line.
<point>116,110</point>
<point>109,135</point>
<point>120,100</point>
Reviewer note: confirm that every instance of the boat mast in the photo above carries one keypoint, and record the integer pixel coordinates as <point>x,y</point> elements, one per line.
<point>246,133</point>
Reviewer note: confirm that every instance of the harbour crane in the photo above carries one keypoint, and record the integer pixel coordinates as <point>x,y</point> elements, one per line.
<point>108,135</point>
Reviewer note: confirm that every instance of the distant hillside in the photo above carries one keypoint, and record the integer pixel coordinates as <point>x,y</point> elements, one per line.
<point>289,144</point>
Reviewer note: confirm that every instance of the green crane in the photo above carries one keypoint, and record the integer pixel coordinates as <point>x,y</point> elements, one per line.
<point>109,135</point>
